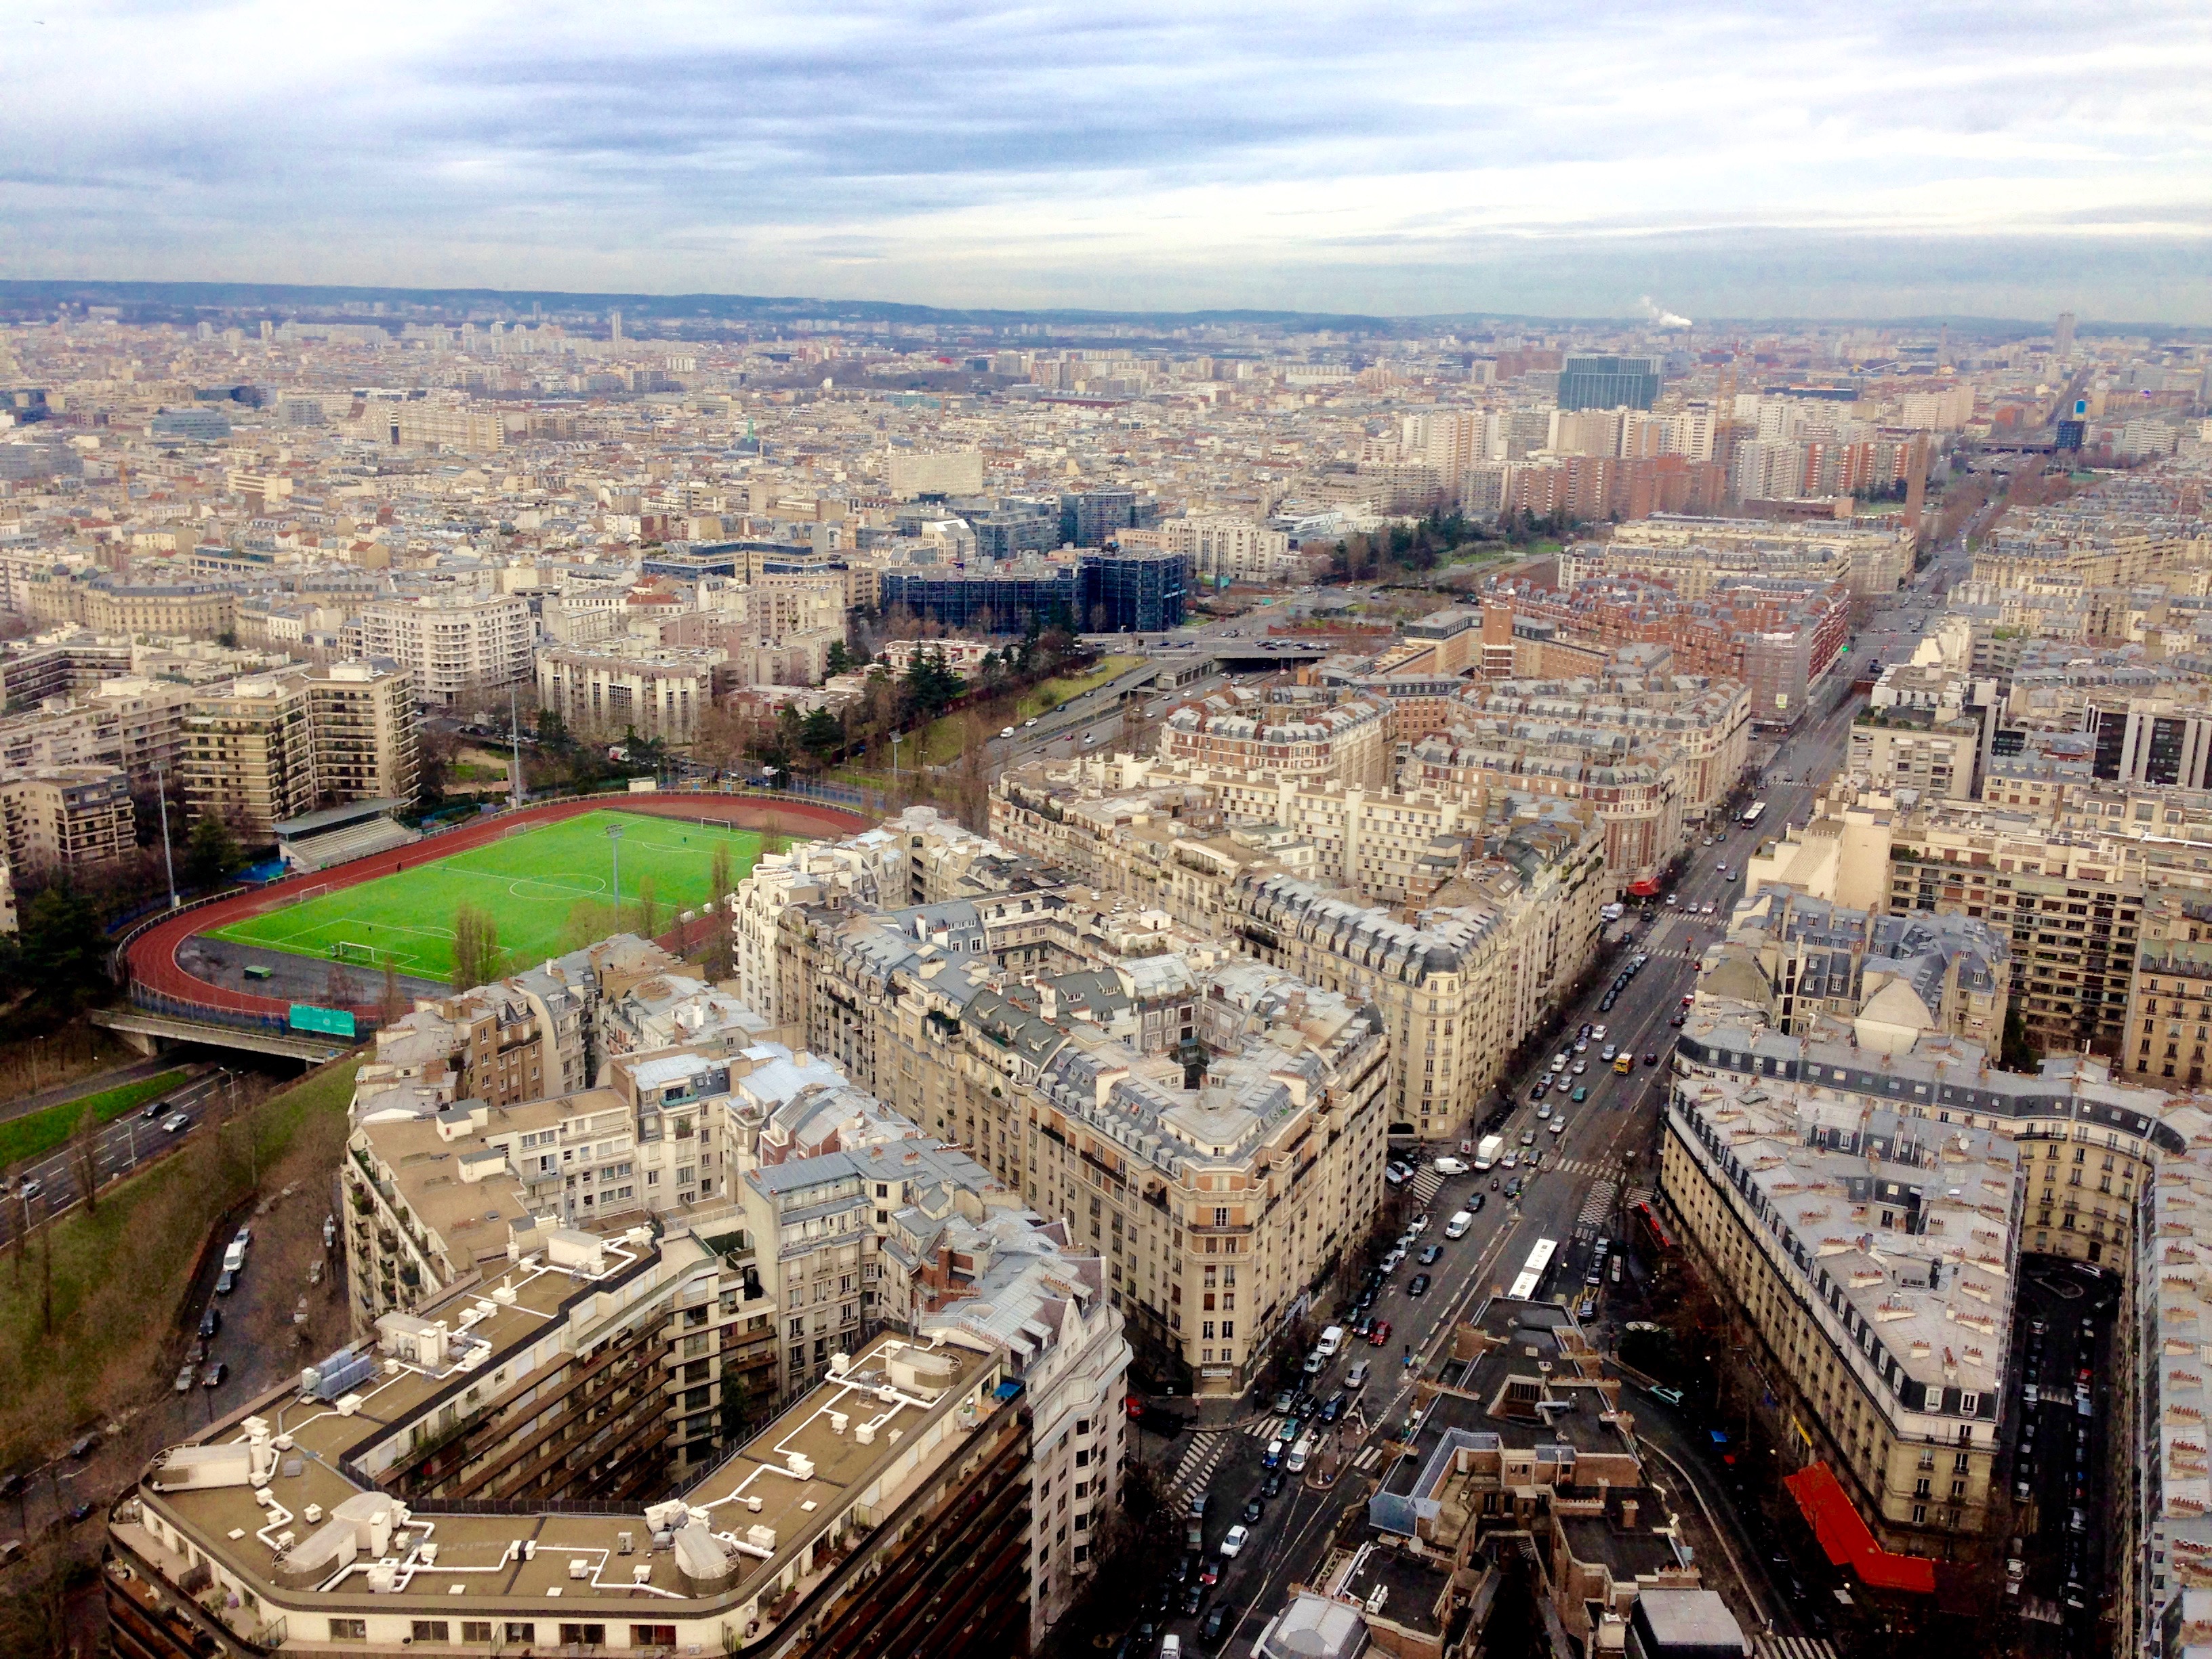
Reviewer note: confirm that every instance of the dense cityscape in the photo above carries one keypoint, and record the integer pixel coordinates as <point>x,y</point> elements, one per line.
<point>1640,893</point>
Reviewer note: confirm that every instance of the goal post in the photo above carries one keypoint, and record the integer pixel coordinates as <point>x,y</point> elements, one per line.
<point>346,950</point>
<point>303,894</point>
<point>727,826</point>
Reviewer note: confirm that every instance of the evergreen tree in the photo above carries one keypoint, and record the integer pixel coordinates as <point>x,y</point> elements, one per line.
<point>210,852</point>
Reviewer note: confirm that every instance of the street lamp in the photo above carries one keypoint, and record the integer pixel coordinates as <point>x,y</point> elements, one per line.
<point>614,842</point>
<point>162,794</point>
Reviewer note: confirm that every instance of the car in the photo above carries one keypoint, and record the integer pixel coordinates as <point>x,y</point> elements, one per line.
<point>1314,1363</point>
<point>31,1189</point>
<point>1582,1045</point>
<point>78,1512</point>
<point>1390,1261</point>
<point>176,1123</point>
<point>1428,1256</point>
<point>1283,1399</point>
<point>213,1376</point>
<point>1606,1004</point>
<point>1588,1029</point>
<point>1580,1095</point>
<point>1560,1123</point>
<point>1192,1599</point>
<point>242,1237</point>
<point>1253,1510</point>
<point>225,1283</point>
<point>1214,1627</point>
<point>1419,1287</point>
<point>1609,1053</point>
<point>1332,1408</point>
<point>1671,901</point>
<point>1543,1113</point>
<point>1367,1296</point>
<point>1513,1187</point>
<point>1476,1203</point>
<point>1235,1543</point>
<point>153,1112</point>
<point>1380,1336</point>
<point>211,1323</point>
<point>1582,1068</point>
<point>185,1379</point>
<point>1527,1137</point>
<point>1272,1486</point>
<point>1031,721</point>
<point>1676,1022</point>
<point>1650,1056</point>
<point>1598,1031</point>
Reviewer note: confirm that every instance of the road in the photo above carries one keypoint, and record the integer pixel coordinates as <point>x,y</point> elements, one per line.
<point>1579,1191</point>
<point>46,1188</point>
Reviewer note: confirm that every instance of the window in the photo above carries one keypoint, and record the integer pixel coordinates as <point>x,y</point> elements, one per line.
<point>433,1630</point>
<point>653,1635</point>
<point>521,1630</point>
<point>589,1635</point>
<point>476,1629</point>
<point>1221,1218</point>
<point>349,1630</point>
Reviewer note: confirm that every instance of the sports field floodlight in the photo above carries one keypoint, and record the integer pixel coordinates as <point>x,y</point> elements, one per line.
<point>614,841</point>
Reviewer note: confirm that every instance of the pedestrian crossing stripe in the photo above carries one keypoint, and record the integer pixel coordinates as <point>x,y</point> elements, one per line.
<point>1770,1646</point>
<point>1368,1458</point>
<point>1205,1451</point>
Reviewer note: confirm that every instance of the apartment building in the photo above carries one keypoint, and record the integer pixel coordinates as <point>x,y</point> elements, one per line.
<point>1223,548</point>
<point>453,645</point>
<point>1693,555</point>
<point>249,753</point>
<point>1815,968</point>
<point>361,724</point>
<point>137,610</point>
<point>65,818</point>
<point>1829,1233</point>
<point>130,722</point>
<point>1934,753</point>
<point>1292,736</point>
<point>657,693</point>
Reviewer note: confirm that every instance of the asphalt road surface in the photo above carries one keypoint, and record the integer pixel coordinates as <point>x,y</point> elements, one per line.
<point>51,1186</point>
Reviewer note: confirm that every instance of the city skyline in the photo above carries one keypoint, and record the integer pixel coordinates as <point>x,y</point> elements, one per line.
<point>1567,165</point>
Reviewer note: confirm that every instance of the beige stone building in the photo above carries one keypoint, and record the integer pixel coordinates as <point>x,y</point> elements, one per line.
<point>62,817</point>
<point>361,720</point>
<point>249,753</point>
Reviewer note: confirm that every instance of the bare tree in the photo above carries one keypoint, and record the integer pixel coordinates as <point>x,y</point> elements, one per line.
<point>340,988</point>
<point>476,959</point>
<point>649,910</point>
<point>391,1003</point>
<point>84,1157</point>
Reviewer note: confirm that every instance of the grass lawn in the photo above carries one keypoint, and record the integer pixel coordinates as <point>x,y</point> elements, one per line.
<point>531,883</point>
<point>36,1133</point>
<point>1033,699</point>
<point>119,1274</point>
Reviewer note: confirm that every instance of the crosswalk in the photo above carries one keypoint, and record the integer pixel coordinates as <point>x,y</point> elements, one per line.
<point>1597,1207</point>
<point>1369,1456</point>
<point>1427,1184</point>
<point>1198,1459</point>
<point>1770,1646</point>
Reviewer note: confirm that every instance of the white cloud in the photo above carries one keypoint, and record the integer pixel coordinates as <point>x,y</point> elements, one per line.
<point>1570,157</point>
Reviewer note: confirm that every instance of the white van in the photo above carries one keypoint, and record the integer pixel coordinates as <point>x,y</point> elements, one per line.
<point>1296,1461</point>
<point>1332,1342</point>
<point>233,1256</point>
<point>1457,1226</point>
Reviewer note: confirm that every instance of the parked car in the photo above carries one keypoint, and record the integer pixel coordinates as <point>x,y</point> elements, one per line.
<point>1235,1541</point>
<point>1253,1511</point>
<point>185,1380</point>
<point>1214,1627</point>
<point>225,1283</point>
<point>211,1322</point>
<point>213,1376</point>
<point>1428,1256</point>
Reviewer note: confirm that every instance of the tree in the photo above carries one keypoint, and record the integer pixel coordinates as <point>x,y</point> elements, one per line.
<point>838,659</point>
<point>391,1002</point>
<point>649,910</point>
<point>821,735</point>
<point>59,954</point>
<point>84,1157</point>
<point>476,959</point>
<point>211,851</point>
<point>724,734</point>
<point>340,989</point>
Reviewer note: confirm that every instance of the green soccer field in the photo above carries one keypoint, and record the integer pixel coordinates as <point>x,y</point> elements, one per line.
<point>548,888</point>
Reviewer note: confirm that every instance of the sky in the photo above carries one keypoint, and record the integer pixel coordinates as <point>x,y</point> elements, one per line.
<point>1724,158</point>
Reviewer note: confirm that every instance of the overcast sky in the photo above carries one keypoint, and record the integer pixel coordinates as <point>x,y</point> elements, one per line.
<point>1560,158</point>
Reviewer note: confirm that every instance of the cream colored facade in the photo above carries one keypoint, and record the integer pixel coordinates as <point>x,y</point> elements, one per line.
<point>249,754</point>
<point>654,693</point>
<point>361,717</point>
<point>62,818</point>
<point>1347,742</point>
<point>1223,546</point>
<point>452,645</point>
<point>194,612</point>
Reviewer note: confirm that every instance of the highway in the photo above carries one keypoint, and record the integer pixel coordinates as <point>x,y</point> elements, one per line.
<point>1579,1191</point>
<point>45,1189</point>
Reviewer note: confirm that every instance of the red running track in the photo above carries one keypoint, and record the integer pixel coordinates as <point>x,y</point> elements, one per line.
<point>152,954</point>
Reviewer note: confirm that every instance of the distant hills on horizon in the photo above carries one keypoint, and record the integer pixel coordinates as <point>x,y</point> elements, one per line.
<point>154,301</point>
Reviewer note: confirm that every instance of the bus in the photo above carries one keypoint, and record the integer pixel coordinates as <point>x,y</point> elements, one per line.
<point>1526,1288</point>
<point>1752,813</point>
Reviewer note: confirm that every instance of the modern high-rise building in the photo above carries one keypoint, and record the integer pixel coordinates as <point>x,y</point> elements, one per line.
<point>361,718</point>
<point>2062,336</point>
<point>453,644</point>
<point>249,756</point>
<point>1609,383</point>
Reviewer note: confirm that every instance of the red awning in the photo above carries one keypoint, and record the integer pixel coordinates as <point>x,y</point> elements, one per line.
<point>1842,1534</point>
<point>1646,888</point>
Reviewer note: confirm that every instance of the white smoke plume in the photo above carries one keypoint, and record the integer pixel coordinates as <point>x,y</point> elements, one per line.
<point>1660,316</point>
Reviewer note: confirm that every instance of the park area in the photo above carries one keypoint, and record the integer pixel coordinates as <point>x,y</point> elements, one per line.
<point>547,888</point>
